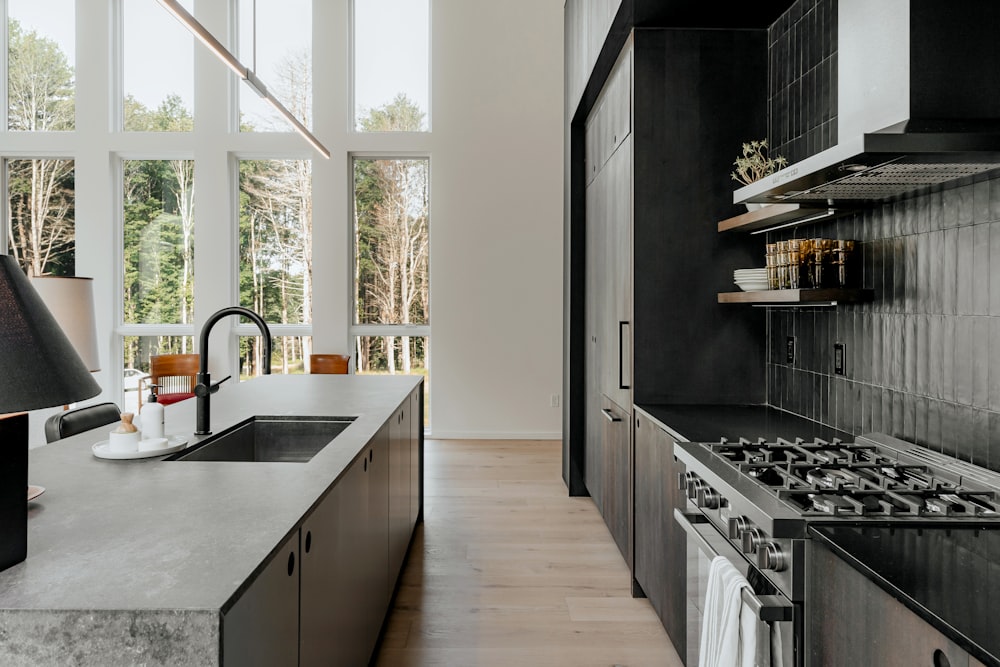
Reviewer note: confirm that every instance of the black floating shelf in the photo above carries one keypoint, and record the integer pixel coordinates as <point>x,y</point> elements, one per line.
<point>773,216</point>
<point>798,297</point>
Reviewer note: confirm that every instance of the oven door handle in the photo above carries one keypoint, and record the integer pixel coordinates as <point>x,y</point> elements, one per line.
<point>768,608</point>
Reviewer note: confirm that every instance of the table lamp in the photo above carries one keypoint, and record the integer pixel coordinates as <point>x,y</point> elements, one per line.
<point>71,302</point>
<point>38,369</point>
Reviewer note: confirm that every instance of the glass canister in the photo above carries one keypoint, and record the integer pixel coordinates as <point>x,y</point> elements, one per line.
<point>819,258</point>
<point>783,280</point>
<point>771,261</point>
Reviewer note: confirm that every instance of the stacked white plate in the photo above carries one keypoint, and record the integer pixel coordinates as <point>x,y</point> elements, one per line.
<point>750,280</point>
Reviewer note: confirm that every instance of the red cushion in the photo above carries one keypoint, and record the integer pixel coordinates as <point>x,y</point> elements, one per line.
<point>167,399</point>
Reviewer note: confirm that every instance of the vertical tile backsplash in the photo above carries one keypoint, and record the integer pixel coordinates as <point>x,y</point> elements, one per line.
<point>802,64</point>
<point>923,358</point>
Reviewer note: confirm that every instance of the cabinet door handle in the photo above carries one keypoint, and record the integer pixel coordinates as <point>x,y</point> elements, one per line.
<point>610,416</point>
<point>291,563</point>
<point>309,540</point>
<point>624,355</point>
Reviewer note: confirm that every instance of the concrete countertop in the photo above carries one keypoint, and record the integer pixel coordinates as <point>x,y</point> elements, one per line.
<point>183,536</point>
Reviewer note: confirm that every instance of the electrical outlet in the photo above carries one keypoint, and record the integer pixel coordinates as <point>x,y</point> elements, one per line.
<point>790,350</point>
<point>839,360</point>
<point>554,401</point>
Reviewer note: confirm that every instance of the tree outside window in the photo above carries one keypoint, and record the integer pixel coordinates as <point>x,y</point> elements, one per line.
<point>276,256</point>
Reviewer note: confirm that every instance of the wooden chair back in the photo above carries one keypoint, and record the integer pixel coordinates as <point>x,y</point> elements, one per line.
<point>175,375</point>
<point>334,364</point>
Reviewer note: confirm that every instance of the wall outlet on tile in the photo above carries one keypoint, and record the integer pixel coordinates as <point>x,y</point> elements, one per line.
<point>839,350</point>
<point>554,400</point>
<point>790,350</point>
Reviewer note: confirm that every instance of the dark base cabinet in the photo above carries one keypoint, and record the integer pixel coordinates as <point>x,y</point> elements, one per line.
<point>262,627</point>
<point>851,621</point>
<point>660,555</point>
<point>617,464</point>
<point>322,597</point>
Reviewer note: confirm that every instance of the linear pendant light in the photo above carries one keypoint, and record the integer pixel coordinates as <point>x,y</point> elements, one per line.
<point>241,70</point>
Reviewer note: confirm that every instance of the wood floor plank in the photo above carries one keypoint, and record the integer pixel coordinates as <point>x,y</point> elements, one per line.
<point>507,569</point>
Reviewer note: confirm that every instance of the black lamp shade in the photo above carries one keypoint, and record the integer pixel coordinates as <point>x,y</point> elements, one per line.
<point>38,366</point>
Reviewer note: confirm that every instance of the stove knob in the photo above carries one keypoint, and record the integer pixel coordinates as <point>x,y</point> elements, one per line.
<point>708,498</point>
<point>695,485</point>
<point>771,557</point>
<point>752,539</point>
<point>684,480</point>
<point>737,525</point>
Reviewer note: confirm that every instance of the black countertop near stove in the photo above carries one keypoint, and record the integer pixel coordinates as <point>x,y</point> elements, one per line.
<point>709,423</point>
<point>949,576</point>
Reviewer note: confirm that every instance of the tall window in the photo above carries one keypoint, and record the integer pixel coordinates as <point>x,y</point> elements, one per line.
<point>41,50</point>
<point>158,80</point>
<point>391,265</point>
<point>158,261</point>
<point>391,65</point>
<point>275,240</point>
<point>275,39</point>
<point>40,215</point>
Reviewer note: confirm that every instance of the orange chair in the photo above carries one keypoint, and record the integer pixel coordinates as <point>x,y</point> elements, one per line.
<point>175,376</point>
<point>334,364</point>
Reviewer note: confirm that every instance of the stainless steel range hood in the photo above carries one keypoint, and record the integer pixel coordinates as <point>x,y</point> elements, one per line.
<point>917,104</point>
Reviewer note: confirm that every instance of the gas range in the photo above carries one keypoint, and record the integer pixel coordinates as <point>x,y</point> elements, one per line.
<point>761,496</point>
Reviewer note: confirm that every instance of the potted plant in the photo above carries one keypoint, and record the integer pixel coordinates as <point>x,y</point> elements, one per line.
<point>754,164</point>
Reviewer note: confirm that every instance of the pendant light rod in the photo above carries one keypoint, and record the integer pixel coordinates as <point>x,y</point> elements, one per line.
<point>245,73</point>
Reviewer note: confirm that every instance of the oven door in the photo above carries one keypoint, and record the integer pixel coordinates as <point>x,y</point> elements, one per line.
<point>777,617</point>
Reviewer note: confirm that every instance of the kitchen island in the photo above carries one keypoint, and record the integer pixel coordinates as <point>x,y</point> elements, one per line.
<point>146,561</point>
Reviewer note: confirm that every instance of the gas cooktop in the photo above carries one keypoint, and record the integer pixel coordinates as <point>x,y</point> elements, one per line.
<point>875,477</point>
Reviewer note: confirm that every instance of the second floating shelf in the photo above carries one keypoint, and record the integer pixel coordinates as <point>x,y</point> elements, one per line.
<point>774,216</point>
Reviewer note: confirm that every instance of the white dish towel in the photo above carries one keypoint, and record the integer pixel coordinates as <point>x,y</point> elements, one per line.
<point>729,628</point>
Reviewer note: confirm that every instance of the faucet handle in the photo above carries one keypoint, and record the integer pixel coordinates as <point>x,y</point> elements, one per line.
<point>215,387</point>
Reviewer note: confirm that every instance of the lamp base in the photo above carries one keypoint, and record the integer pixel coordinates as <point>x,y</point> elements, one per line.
<point>13,489</point>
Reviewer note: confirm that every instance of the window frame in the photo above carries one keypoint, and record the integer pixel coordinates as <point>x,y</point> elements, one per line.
<point>355,329</point>
<point>239,329</point>
<point>123,329</point>
<point>352,119</point>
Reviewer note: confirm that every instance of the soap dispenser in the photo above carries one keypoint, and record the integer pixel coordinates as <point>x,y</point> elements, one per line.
<point>152,418</point>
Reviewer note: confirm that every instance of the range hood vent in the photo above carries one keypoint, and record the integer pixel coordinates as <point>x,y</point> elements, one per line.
<point>915,105</point>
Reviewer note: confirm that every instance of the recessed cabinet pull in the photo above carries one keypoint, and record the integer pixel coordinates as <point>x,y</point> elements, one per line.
<point>610,416</point>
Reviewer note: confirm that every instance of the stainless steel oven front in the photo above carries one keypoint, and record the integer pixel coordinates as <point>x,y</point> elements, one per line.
<point>778,618</point>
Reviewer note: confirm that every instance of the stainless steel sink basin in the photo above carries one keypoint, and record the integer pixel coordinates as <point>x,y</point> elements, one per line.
<point>268,439</point>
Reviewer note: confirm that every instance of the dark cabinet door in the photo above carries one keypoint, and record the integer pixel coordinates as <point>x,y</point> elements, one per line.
<point>616,279</point>
<point>399,490</point>
<point>416,455</point>
<point>262,626</point>
<point>378,528</point>
<point>325,606</point>
<point>617,508</point>
<point>594,424</point>
<point>659,542</point>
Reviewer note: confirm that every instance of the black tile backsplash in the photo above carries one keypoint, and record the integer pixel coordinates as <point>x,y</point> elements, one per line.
<point>923,358</point>
<point>802,100</point>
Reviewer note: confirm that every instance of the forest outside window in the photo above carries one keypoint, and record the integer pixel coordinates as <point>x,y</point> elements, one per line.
<point>158,83</point>
<point>275,40</point>
<point>41,52</point>
<point>41,229</point>
<point>276,259</point>
<point>391,65</point>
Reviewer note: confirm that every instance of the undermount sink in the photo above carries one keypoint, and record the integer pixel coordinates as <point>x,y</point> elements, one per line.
<point>268,439</point>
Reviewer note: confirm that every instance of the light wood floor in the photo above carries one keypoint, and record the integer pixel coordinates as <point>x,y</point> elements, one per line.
<point>508,570</point>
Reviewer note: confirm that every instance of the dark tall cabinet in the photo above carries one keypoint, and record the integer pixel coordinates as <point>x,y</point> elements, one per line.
<point>650,164</point>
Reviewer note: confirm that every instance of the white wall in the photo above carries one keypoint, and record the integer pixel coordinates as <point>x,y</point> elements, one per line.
<point>496,202</point>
